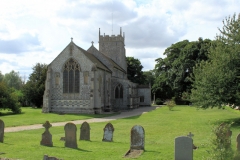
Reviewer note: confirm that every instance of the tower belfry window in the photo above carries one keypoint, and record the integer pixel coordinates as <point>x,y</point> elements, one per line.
<point>71,77</point>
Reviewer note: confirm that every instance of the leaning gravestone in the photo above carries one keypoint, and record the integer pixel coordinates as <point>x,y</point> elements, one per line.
<point>85,132</point>
<point>183,148</point>
<point>108,133</point>
<point>1,130</point>
<point>70,135</point>
<point>137,142</point>
<point>46,136</point>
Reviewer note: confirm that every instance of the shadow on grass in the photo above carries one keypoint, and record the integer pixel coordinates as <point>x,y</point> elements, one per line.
<point>152,151</point>
<point>10,113</point>
<point>79,149</point>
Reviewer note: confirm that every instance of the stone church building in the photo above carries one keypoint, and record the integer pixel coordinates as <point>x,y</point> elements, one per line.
<point>92,81</point>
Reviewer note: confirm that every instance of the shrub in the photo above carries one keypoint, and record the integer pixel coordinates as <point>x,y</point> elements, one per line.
<point>221,143</point>
<point>171,103</point>
<point>159,101</point>
<point>8,100</point>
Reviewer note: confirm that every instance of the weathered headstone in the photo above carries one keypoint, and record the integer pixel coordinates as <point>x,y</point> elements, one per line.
<point>108,133</point>
<point>137,142</point>
<point>238,142</point>
<point>46,136</point>
<point>183,148</point>
<point>1,131</point>
<point>85,131</point>
<point>70,135</point>
<point>137,137</point>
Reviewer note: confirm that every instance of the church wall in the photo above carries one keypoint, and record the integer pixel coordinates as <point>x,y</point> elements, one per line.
<point>75,102</point>
<point>145,95</point>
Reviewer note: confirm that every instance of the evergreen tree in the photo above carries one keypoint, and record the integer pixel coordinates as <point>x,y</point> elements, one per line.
<point>34,88</point>
<point>134,70</point>
<point>216,82</point>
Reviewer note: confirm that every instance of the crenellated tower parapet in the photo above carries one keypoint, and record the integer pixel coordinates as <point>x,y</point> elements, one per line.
<point>114,47</point>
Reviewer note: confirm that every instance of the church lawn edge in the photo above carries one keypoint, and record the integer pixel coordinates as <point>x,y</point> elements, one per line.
<point>161,128</point>
<point>30,116</point>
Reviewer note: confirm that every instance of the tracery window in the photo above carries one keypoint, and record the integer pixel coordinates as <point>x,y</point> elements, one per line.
<point>119,91</point>
<point>71,77</point>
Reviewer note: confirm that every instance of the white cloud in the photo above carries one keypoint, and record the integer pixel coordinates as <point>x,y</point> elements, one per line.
<point>39,30</point>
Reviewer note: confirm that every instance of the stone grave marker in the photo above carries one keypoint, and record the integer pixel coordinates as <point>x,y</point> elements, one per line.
<point>183,148</point>
<point>1,131</point>
<point>137,142</point>
<point>70,135</point>
<point>85,132</point>
<point>238,142</point>
<point>137,137</point>
<point>108,133</point>
<point>46,136</point>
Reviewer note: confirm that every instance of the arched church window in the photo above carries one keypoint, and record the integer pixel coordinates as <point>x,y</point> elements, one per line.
<point>71,77</point>
<point>119,91</point>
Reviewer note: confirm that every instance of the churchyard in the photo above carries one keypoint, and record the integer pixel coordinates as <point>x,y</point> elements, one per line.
<point>161,127</point>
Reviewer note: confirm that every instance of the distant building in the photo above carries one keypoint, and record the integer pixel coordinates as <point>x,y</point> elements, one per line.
<point>92,81</point>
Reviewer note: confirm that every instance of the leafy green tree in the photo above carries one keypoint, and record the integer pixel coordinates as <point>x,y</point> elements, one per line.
<point>8,100</point>
<point>149,77</point>
<point>13,79</point>
<point>216,82</point>
<point>35,86</point>
<point>173,72</point>
<point>134,70</point>
<point>1,76</point>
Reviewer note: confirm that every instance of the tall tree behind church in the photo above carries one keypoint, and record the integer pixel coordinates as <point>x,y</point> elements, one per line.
<point>173,72</point>
<point>134,70</point>
<point>35,86</point>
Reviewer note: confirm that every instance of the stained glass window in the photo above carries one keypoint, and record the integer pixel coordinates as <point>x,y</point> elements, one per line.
<point>71,77</point>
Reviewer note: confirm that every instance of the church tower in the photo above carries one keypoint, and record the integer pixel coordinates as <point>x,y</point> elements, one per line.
<point>114,48</point>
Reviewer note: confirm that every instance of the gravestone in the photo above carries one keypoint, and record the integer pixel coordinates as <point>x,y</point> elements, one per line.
<point>183,148</point>
<point>46,136</point>
<point>85,132</point>
<point>137,142</point>
<point>238,143</point>
<point>108,133</point>
<point>137,137</point>
<point>1,131</point>
<point>70,135</point>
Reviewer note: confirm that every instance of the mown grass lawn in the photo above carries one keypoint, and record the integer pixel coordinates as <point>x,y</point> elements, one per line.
<point>35,116</point>
<point>161,127</point>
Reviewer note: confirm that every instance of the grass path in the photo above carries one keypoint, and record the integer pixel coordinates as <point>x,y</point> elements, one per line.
<point>161,127</point>
<point>30,116</point>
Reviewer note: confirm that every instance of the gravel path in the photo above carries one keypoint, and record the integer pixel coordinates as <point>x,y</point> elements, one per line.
<point>123,114</point>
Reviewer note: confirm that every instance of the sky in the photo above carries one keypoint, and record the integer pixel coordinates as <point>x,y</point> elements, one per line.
<point>36,31</point>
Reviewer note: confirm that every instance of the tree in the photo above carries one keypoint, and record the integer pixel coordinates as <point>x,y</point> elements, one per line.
<point>8,100</point>
<point>149,77</point>
<point>134,70</point>
<point>35,86</point>
<point>13,79</point>
<point>173,72</point>
<point>216,81</point>
<point>1,76</point>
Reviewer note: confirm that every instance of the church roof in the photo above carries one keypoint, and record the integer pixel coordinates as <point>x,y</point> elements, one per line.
<point>98,63</point>
<point>94,59</point>
<point>115,65</point>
